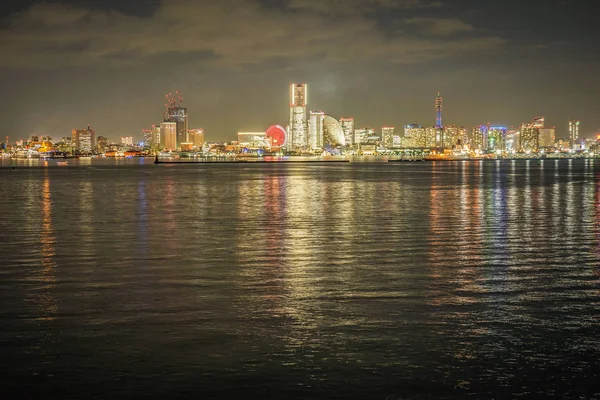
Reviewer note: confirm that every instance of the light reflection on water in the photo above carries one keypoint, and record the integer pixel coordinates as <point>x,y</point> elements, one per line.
<point>428,280</point>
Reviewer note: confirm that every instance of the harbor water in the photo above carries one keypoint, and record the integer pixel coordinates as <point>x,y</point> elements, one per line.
<point>366,280</point>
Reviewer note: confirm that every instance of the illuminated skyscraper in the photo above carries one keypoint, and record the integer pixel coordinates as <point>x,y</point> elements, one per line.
<point>438,111</point>
<point>414,136</point>
<point>155,138</point>
<point>573,132</point>
<point>387,136</point>
<point>529,138</point>
<point>298,125</point>
<point>478,138</point>
<point>174,112</point>
<point>168,135</point>
<point>348,128</point>
<point>547,137</point>
<point>147,136</point>
<point>496,139</point>
<point>196,137</point>
<point>315,129</point>
<point>179,115</point>
<point>454,135</point>
<point>83,139</point>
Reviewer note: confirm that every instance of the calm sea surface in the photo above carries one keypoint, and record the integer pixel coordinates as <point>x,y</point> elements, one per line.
<point>360,280</point>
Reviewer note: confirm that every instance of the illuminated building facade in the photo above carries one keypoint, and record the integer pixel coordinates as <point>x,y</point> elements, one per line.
<point>455,135</point>
<point>253,140</point>
<point>362,135</point>
<point>432,137</point>
<point>83,139</point>
<point>333,134</point>
<point>512,140</point>
<point>478,138</point>
<point>155,137</point>
<point>348,128</point>
<point>168,135</point>
<point>179,116</point>
<point>196,137</point>
<point>538,122</point>
<point>315,129</point>
<point>495,140</point>
<point>438,111</point>
<point>547,137</point>
<point>147,137</point>
<point>529,139</point>
<point>127,140</point>
<point>414,136</point>
<point>298,123</point>
<point>573,132</point>
<point>102,144</point>
<point>387,136</point>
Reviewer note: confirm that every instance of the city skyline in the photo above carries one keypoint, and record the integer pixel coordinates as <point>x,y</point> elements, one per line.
<point>382,64</point>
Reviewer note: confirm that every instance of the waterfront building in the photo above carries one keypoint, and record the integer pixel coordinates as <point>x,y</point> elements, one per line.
<point>298,122</point>
<point>547,137</point>
<point>362,135</point>
<point>196,137</point>
<point>315,129</point>
<point>179,115</point>
<point>146,137</point>
<point>83,139</point>
<point>529,139</point>
<point>512,141</point>
<point>455,135</point>
<point>333,134</point>
<point>432,137</point>
<point>478,138</point>
<point>348,128</point>
<point>101,144</point>
<point>168,135</point>
<point>414,136</point>
<point>495,140</point>
<point>252,140</point>
<point>438,111</point>
<point>573,132</point>
<point>127,140</point>
<point>155,136</point>
<point>387,136</point>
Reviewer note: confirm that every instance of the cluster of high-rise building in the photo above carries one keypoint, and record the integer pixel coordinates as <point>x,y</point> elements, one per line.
<point>173,132</point>
<point>312,131</point>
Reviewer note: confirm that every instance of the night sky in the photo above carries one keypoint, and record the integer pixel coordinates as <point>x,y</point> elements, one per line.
<point>110,63</point>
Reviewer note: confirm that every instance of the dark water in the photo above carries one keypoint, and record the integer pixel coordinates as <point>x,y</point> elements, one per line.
<point>360,280</point>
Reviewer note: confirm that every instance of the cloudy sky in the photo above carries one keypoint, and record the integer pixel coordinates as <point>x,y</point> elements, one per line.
<point>110,63</point>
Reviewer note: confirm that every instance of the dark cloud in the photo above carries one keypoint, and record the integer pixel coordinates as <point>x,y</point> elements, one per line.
<point>239,32</point>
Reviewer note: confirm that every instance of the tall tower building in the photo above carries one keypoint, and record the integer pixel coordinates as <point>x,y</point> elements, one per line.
<point>573,132</point>
<point>174,112</point>
<point>298,127</point>
<point>315,129</point>
<point>179,115</point>
<point>438,111</point>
